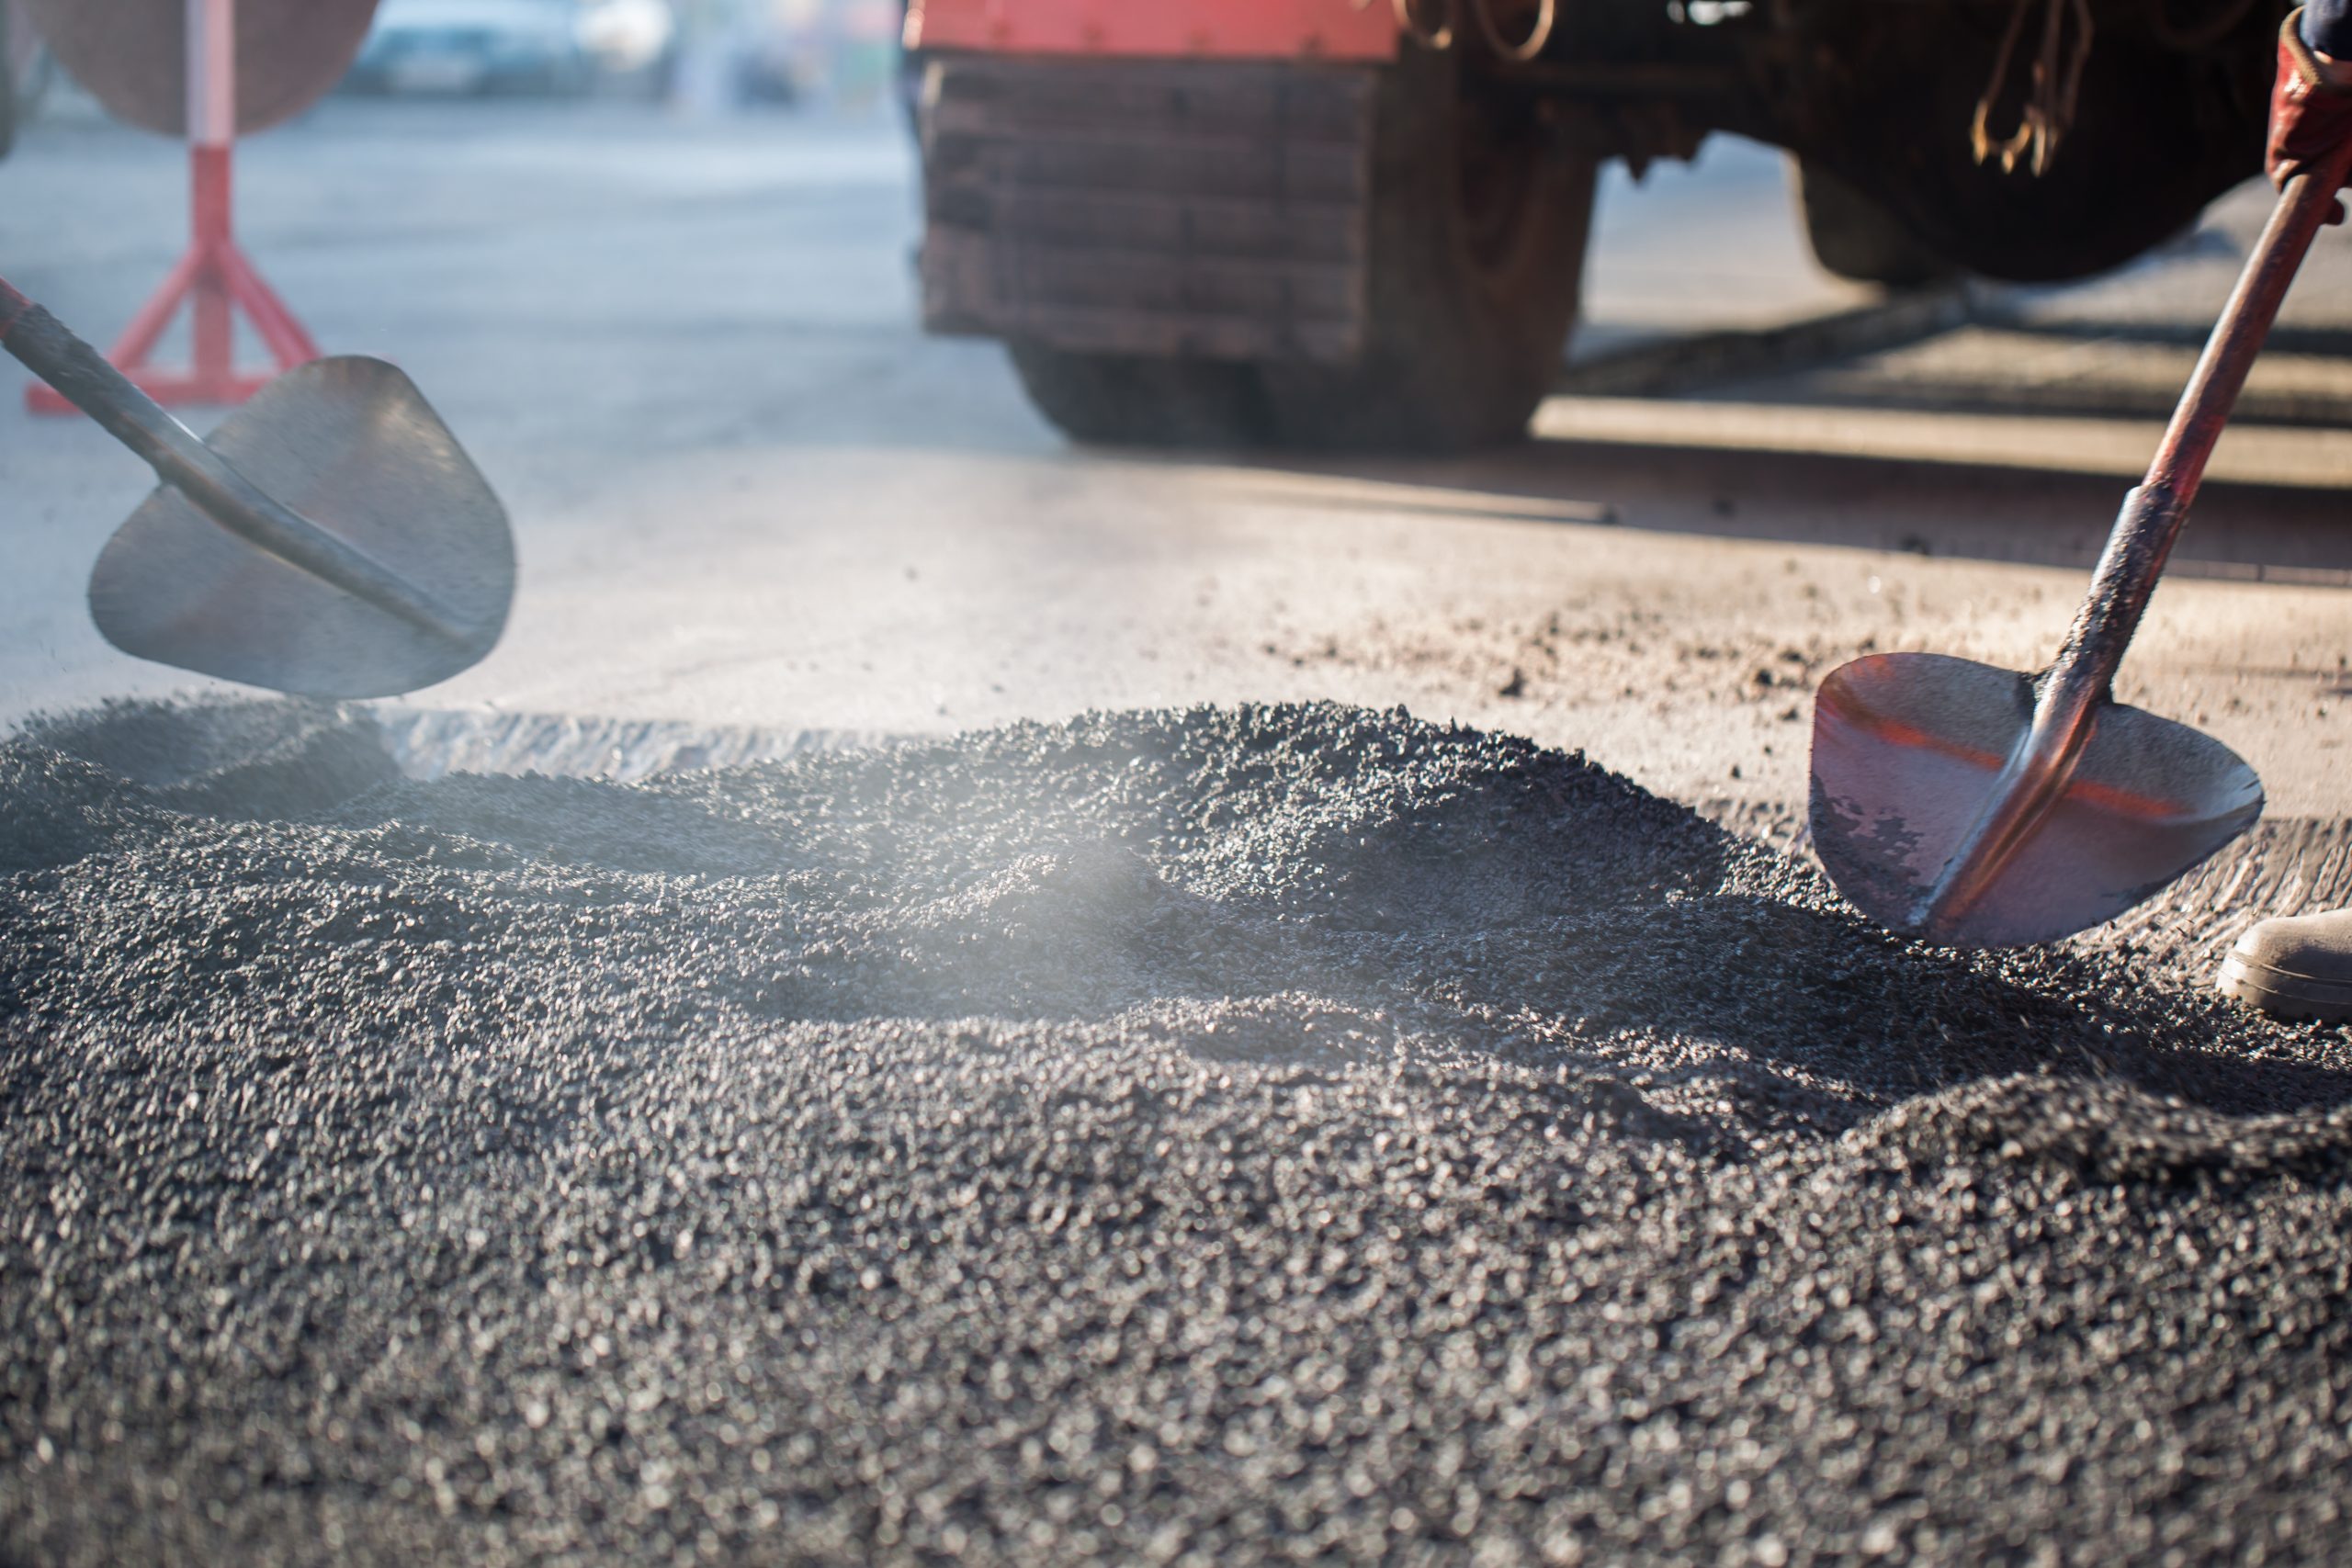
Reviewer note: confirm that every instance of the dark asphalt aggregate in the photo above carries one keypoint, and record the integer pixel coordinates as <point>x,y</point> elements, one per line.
<point>1222,1137</point>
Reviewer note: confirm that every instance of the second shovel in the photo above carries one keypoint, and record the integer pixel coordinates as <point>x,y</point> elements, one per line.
<point>1976,807</point>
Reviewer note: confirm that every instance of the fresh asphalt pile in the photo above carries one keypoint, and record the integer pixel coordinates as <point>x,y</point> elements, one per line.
<point>1216,1136</point>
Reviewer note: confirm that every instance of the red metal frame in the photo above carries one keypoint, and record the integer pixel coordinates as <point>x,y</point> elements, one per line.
<point>214,279</point>
<point>1211,30</point>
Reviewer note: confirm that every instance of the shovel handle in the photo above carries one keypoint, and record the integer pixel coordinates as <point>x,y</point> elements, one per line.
<point>2154,513</point>
<point>84,378</point>
<point>2077,683</point>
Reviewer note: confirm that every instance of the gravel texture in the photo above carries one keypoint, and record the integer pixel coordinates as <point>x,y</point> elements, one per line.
<point>1217,1136</point>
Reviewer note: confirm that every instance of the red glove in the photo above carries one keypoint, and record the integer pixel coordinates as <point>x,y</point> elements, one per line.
<point>2311,106</point>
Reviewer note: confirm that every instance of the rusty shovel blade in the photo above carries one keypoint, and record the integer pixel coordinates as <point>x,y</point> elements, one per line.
<point>1979,807</point>
<point>1912,752</point>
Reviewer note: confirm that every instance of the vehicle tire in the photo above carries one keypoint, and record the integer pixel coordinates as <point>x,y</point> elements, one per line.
<point>1479,227</point>
<point>1856,239</point>
<point>1476,237</point>
<point>1118,399</point>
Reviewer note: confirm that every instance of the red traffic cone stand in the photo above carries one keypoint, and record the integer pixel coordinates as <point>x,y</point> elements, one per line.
<point>214,279</point>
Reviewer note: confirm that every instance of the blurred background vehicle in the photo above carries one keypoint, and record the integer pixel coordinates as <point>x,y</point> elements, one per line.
<point>704,57</point>
<point>630,45</point>
<point>788,52</point>
<point>474,46</point>
<point>776,59</point>
<point>703,54</point>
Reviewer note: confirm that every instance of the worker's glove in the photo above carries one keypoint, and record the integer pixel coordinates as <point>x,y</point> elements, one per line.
<point>2311,106</point>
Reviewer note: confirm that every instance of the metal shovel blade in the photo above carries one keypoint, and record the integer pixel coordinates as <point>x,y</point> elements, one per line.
<point>1907,751</point>
<point>351,446</point>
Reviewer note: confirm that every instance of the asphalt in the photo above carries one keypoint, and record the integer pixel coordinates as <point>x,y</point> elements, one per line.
<point>1215,1136</point>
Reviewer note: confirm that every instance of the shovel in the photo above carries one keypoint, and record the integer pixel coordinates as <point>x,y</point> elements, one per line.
<point>1978,808</point>
<point>332,539</point>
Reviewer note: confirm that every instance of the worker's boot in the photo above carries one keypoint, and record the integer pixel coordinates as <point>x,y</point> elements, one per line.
<point>2296,967</point>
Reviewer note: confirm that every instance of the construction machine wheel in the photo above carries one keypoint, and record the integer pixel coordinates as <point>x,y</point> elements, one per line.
<point>1127,399</point>
<point>1857,239</point>
<point>1478,226</point>
<point>1475,242</point>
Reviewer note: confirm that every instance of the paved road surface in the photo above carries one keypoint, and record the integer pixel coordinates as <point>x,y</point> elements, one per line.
<point>749,492</point>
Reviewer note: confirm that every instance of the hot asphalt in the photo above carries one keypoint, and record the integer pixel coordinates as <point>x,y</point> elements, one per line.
<point>1209,1136</point>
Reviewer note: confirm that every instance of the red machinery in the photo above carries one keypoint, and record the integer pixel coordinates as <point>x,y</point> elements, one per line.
<point>1362,222</point>
<point>1210,29</point>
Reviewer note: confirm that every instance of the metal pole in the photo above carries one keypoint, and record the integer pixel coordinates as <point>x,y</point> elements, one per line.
<point>211,129</point>
<point>213,72</point>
